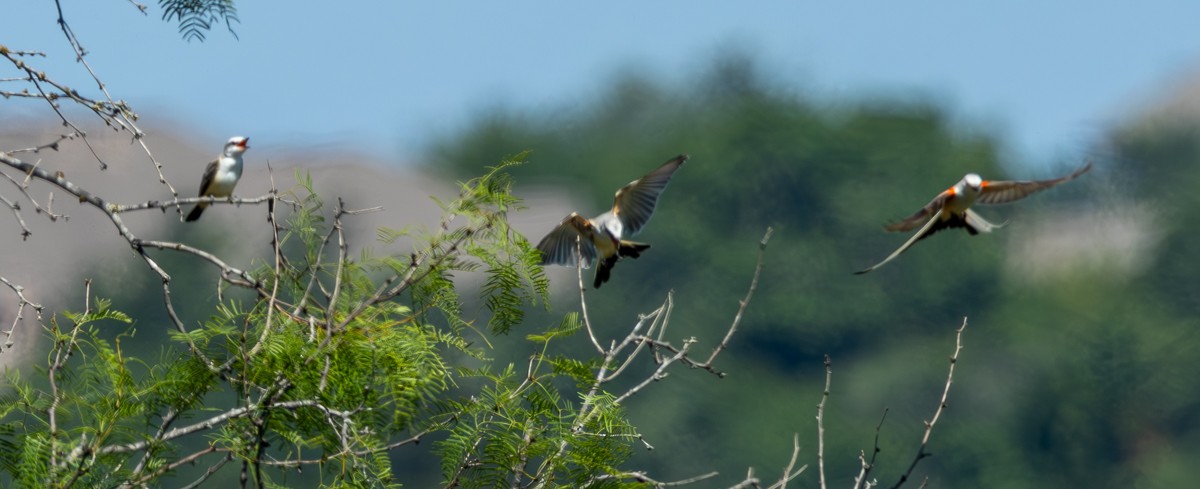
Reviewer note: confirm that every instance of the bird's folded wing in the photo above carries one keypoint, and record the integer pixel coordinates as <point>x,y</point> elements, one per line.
<point>634,203</point>
<point>565,243</point>
<point>210,174</point>
<point>923,215</point>
<point>1001,191</point>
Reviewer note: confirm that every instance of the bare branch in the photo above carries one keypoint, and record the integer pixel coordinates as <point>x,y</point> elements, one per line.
<point>16,210</point>
<point>749,481</point>
<point>659,318</point>
<point>62,350</point>
<point>51,145</point>
<point>645,479</point>
<point>190,459</point>
<point>141,7</point>
<point>22,301</point>
<point>313,268</point>
<point>436,255</point>
<point>659,373</point>
<point>167,204</point>
<point>937,414</point>
<point>821,422</point>
<point>24,188</point>
<point>343,255</point>
<point>788,473</point>
<point>115,113</point>
<point>277,254</point>
<point>737,318</point>
<point>861,479</point>
<point>412,440</point>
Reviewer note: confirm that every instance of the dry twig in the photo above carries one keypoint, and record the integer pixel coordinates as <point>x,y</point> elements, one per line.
<point>937,414</point>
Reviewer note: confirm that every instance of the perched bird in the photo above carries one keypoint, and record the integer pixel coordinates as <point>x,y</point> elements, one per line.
<point>221,175</point>
<point>603,238</point>
<point>952,208</point>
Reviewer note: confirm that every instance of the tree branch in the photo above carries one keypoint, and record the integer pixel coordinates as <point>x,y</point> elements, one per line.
<point>937,414</point>
<point>821,422</point>
<point>737,318</point>
<point>22,301</point>
<point>866,466</point>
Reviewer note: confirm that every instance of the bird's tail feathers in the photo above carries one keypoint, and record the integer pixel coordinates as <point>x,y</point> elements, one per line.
<point>977,224</point>
<point>631,249</point>
<point>196,211</point>
<point>604,270</point>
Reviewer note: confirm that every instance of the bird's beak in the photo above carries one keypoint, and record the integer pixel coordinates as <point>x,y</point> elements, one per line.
<point>245,143</point>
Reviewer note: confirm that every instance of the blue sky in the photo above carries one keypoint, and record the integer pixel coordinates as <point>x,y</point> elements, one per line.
<point>386,76</point>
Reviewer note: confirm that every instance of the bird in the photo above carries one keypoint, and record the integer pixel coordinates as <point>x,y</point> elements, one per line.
<point>221,175</point>
<point>952,207</point>
<point>603,238</point>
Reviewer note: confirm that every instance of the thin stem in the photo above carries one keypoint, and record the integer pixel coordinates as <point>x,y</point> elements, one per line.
<point>937,414</point>
<point>737,318</point>
<point>821,422</point>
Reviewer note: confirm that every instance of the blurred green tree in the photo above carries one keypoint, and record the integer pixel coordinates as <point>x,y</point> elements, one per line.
<point>1084,373</point>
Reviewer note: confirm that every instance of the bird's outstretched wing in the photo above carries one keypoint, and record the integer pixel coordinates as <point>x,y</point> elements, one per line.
<point>923,215</point>
<point>634,203</point>
<point>568,241</point>
<point>930,227</point>
<point>1001,191</point>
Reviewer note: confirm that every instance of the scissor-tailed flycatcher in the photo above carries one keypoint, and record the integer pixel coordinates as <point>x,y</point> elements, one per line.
<point>952,208</point>
<point>221,175</point>
<point>603,237</point>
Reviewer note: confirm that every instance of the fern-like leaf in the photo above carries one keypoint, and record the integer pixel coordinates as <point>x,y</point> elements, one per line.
<point>196,17</point>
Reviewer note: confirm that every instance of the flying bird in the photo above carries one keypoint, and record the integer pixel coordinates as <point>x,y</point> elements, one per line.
<point>952,207</point>
<point>603,238</point>
<point>221,175</point>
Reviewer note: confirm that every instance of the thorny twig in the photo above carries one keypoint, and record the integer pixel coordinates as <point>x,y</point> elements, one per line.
<point>37,149</point>
<point>24,188</point>
<point>119,113</point>
<point>16,209</point>
<point>38,79</point>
